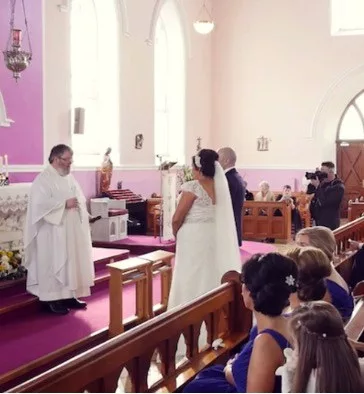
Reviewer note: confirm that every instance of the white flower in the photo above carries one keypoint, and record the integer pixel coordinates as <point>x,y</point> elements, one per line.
<point>4,259</point>
<point>198,161</point>
<point>290,280</point>
<point>6,266</point>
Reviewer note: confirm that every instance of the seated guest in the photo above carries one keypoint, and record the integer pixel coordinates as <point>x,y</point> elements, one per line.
<point>268,280</point>
<point>323,238</point>
<point>249,196</point>
<point>357,273</point>
<point>264,194</point>
<point>287,197</point>
<point>313,269</point>
<point>323,360</point>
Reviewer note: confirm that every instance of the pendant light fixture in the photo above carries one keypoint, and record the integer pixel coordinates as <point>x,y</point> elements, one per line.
<point>16,58</point>
<point>204,23</point>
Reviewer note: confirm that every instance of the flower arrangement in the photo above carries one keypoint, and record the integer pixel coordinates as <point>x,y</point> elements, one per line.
<point>10,265</point>
<point>184,175</point>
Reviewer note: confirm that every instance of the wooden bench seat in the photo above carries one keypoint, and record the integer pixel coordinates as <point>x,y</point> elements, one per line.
<point>99,369</point>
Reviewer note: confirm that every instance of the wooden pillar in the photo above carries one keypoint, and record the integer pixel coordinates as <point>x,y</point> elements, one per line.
<point>116,326</point>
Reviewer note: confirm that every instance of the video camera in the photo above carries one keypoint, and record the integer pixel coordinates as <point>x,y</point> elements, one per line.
<point>316,175</point>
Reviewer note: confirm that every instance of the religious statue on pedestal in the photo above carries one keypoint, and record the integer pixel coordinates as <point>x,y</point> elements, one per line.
<point>106,172</point>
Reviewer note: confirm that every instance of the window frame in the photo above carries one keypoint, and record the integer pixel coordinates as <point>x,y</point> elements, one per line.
<point>352,104</point>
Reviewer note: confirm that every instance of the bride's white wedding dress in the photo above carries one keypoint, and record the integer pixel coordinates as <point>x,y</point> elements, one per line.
<point>206,245</point>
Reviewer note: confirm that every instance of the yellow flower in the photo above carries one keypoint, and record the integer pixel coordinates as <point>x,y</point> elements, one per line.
<point>2,268</point>
<point>10,254</point>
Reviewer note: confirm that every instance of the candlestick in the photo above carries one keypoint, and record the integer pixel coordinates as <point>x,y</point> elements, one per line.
<point>6,165</point>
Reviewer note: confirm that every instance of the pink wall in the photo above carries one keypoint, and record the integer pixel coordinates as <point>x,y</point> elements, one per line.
<point>274,65</point>
<point>146,182</point>
<point>23,141</point>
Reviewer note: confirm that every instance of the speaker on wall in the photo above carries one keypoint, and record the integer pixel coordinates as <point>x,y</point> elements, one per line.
<point>79,124</point>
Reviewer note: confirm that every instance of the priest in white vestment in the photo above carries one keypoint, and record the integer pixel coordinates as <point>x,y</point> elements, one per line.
<point>57,239</point>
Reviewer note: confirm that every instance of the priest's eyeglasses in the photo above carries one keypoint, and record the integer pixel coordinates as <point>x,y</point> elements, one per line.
<point>66,159</point>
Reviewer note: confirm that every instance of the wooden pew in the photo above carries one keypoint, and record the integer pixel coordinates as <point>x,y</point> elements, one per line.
<point>161,261</point>
<point>353,230</point>
<point>355,210</point>
<point>303,201</point>
<point>139,271</point>
<point>99,369</point>
<point>260,222</point>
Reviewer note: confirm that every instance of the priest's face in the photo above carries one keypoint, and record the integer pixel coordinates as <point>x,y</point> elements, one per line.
<point>63,163</point>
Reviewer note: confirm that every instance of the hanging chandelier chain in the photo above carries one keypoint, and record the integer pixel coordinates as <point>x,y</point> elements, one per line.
<point>26,27</point>
<point>12,19</point>
<point>204,7</point>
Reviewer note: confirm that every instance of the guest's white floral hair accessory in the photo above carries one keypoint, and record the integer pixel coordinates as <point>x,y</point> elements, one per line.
<point>290,280</point>
<point>198,161</point>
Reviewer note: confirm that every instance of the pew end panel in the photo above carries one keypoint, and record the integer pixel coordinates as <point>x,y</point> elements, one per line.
<point>98,369</point>
<point>266,220</point>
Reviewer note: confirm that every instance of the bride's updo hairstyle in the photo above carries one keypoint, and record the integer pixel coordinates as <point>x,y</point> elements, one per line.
<point>204,162</point>
<point>270,279</point>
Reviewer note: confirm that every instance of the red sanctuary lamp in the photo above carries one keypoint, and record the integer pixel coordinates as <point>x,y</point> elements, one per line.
<point>16,58</point>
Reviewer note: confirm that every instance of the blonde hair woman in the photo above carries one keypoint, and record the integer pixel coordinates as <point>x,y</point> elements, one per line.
<point>264,194</point>
<point>323,238</point>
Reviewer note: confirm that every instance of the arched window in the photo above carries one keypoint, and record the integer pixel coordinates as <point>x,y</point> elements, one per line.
<point>347,17</point>
<point>169,85</point>
<point>95,78</point>
<point>351,126</point>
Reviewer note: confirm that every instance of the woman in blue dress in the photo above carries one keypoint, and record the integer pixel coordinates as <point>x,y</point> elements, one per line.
<point>338,290</point>
<point>268,280</point>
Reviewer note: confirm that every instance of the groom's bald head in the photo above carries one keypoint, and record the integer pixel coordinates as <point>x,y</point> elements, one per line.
<point>227,157</point>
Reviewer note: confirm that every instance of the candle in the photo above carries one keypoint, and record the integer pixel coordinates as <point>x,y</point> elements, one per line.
<point>16,37</point>
<point>6,165</point>
<point>1,164</point>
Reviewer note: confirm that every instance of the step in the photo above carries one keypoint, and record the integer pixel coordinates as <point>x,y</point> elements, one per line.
<point>43,326</point>
<point>11,302</point>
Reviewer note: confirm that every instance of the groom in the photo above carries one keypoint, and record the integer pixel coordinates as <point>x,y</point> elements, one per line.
<point>227,159</point>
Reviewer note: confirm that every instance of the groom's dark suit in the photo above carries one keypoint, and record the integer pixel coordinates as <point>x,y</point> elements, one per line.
<point>237,192</point>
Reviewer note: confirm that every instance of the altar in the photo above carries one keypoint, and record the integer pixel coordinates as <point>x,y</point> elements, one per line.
<point>13,207</point>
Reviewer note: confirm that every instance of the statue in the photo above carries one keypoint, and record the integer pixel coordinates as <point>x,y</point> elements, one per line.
<point>106,172</point>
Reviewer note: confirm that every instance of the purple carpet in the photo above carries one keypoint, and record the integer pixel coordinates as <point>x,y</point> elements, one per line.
<point>27,337</point>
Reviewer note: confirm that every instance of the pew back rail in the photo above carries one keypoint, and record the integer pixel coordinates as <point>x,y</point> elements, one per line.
<point>98,370</point>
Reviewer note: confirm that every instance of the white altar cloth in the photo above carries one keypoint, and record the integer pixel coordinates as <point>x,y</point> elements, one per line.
<point>13,207</point>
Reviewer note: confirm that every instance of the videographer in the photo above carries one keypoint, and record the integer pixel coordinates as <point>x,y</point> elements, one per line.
<point>329,192</point>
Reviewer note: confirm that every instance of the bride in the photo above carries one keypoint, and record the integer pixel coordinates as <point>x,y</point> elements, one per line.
<point>204,227</point>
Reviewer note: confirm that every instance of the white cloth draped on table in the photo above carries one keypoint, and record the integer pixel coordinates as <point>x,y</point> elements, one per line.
<point>57,241</point>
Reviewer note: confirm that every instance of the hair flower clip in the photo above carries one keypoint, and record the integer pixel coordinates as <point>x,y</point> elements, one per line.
<point>290,280</point>
<point>198,161</point>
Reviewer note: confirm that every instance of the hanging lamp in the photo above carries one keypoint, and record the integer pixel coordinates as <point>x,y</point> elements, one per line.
<point>204,23</point>
<point>17,59</point>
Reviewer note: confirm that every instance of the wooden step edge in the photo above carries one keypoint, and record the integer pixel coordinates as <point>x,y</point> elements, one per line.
<point>22,304</point>
<point>17,305</point>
